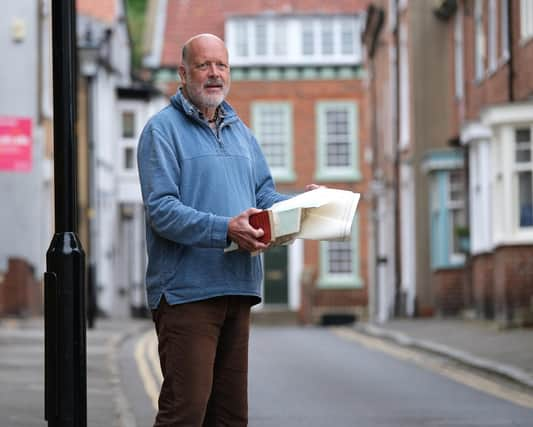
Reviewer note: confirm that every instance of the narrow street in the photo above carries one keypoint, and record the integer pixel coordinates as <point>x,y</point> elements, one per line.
<point>317,377</point>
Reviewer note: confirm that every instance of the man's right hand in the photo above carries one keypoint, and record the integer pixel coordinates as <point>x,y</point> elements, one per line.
<point>243,234</point>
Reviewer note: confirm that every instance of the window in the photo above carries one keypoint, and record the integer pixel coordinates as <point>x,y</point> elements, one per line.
<point>526,19</point>
<point>260,38</point>
<point>340,258</point>
<point>524,176</point>
<point>337,138</point>
<point>272,124</point>
<point>129,156</point>
<point>308,38</point>
<point>288,40</point>
<point>241,45</point>
<point>128,124</point>
<point>456,214</point>
<point>327,38</point>
<point>339,262</point>
<point>493,30</point>
<point>280,38</point>
<point>347,37</point>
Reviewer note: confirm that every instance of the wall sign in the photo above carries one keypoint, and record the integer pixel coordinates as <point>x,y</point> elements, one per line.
<point>15,144</point>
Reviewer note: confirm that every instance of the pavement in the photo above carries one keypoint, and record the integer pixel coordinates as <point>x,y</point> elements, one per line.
<point>22,372</point>
<point>508,353</point>
<point>479,344</point>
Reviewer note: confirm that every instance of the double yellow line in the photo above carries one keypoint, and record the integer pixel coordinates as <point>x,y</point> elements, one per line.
<point>456,373</point>
<point>147,361</point>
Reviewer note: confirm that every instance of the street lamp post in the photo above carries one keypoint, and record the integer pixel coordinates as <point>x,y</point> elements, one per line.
<point>64,294</point>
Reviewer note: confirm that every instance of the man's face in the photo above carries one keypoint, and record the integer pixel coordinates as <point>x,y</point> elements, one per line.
<point>205,75</point>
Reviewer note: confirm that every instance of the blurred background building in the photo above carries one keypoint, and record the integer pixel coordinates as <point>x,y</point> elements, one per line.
<point>424,107</point>
<point>298,82</point>
<point>451,119</point>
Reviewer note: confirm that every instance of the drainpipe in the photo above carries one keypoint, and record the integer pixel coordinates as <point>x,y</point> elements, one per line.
<point>398,305</point>
<point>378,15</point>
<point>510,61</point>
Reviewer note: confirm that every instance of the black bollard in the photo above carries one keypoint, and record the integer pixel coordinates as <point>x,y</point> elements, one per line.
<point>64,295</point>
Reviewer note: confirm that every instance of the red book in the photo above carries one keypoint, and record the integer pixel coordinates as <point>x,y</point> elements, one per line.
<point>262,220</point>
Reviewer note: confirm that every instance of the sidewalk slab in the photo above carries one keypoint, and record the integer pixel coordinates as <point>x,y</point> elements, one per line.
<point>22,372</point>
<point>508,353</point>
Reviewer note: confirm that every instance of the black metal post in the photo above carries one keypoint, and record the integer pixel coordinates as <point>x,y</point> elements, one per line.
<point>65,334</point>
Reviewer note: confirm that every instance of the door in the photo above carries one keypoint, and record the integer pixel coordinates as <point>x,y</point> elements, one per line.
<point>276,276</point>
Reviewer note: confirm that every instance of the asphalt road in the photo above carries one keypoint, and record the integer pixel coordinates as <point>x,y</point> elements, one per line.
<point>318,377</point>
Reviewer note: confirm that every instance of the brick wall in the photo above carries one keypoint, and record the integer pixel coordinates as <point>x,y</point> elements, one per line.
<point>303,96</point>
<point>513,284</point>
<point>494,87</point>
<point>449,290</point>
<point>20,292</point>
<point>483,285</point>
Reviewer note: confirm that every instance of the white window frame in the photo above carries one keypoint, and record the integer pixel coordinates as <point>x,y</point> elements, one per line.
<point>128,143</point>
<point>285,40</point>
<point>283,173</point>
<point>308,30</point>
<point>351,280</point>
<point>405,104</point>
<point>350,172</point>
<point>455,257</point>
<point>504,30</point>
<point>256,39</point>
<point>526,20</point>
<point>242,39</point>
<point>493,36</point>
<point>502,120</point>
<point>480,212</point>
<point>519,167</point>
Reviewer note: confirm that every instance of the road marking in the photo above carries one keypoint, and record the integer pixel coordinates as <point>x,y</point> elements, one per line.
<point>455,373</point>
<point>147,365</point>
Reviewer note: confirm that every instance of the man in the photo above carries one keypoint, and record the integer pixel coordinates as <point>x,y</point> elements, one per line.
<point>202,175</point>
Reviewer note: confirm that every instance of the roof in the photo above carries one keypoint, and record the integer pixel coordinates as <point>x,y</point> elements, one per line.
<point>102,10</point>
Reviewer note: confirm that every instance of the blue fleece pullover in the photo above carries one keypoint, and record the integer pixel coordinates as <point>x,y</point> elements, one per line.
<point>193,180</point>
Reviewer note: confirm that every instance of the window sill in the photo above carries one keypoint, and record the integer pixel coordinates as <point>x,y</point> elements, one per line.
<point>339,282</point>
<point>285,177</point>
<point>337,176</point>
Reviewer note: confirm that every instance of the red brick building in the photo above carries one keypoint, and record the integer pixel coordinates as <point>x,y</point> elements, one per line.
<point>494,115</point>
<point>298,83</point>
<point>453,81</point>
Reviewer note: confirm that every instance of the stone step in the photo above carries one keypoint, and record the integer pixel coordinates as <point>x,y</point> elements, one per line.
<point>275,317</point>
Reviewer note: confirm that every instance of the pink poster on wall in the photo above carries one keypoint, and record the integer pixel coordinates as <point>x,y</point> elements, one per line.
<point>15,144</point>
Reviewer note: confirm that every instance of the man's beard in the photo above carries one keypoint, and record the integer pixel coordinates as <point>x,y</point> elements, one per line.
<point>202,99</point>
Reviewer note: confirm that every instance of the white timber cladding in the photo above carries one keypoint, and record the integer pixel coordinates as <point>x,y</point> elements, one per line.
<point>405,104</point>
<point>408,235</point>
<point>288,40</point>
<point>131,118</point>
<point>526,20</point>
<point>480,211</point>
<point>493,35</point>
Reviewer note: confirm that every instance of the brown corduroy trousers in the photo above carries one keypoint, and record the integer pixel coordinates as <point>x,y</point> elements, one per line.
<point>203,350</point>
